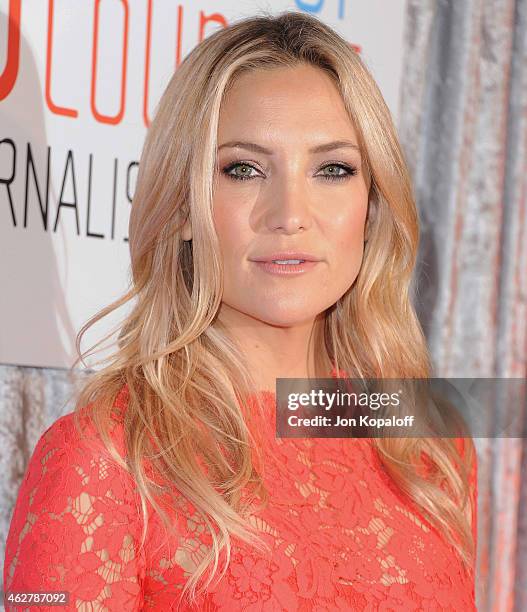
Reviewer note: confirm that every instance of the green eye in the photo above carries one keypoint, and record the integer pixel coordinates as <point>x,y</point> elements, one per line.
<point>242,171</point>
<point>244,175</point>
<point>335,175</point>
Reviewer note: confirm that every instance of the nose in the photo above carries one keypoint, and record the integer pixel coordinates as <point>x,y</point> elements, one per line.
<point>289,209</point>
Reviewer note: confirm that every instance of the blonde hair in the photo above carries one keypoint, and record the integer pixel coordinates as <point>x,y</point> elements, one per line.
<point>185,376</point>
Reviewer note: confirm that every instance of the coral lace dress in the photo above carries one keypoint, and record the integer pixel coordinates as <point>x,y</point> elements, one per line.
<point>342,536</point>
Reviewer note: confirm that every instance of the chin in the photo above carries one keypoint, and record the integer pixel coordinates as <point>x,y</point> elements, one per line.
<point>285,317</point>
<point>279,310</point>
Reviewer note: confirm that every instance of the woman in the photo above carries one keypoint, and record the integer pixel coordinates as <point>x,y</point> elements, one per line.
<point>167,487</point>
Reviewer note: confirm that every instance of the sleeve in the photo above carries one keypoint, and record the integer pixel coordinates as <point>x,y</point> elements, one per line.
<point>75,527</point>
<point>473,486</point>
<point>472,481</point>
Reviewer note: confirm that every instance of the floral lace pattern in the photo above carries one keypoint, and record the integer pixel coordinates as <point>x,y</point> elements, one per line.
<point>342,535</point>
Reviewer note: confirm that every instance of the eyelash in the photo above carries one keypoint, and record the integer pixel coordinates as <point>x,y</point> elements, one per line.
<point>351,171</point>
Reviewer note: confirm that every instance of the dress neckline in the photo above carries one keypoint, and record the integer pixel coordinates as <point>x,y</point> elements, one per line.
<point>268,394</point>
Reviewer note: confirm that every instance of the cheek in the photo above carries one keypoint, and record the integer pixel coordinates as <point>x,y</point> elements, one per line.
<point>232,228</point>
<point>346,235</point>
<point>350,236</point>
<point>348,226</point>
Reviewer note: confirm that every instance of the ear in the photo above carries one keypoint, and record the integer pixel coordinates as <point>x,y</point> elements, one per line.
<point>370,217</point>
<point>186,232</point>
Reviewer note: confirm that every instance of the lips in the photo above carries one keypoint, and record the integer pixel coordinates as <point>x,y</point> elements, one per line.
<point>285,255</point>
<point>286,269</point>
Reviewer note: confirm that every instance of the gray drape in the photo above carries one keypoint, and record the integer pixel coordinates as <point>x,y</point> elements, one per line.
<point>463,125</point>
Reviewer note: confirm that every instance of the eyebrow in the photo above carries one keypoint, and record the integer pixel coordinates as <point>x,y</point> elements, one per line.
<point>322,148</point>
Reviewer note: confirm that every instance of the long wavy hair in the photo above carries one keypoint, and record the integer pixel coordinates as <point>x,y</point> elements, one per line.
<point>185,376</point>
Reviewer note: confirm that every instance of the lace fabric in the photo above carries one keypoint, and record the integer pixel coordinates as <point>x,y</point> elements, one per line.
<point>342,536</point>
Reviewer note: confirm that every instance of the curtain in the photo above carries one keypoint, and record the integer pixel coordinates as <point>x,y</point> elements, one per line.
<point>463,126</point>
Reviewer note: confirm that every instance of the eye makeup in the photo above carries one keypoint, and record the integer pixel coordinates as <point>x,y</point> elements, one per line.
<point>346,171</point>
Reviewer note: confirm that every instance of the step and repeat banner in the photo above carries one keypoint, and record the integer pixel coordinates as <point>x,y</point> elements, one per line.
<point>79,83</point>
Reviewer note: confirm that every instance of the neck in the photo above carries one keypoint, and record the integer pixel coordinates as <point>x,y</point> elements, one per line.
<point>275,352</point>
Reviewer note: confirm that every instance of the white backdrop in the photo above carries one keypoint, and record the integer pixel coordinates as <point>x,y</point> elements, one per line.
<point>79,82</point>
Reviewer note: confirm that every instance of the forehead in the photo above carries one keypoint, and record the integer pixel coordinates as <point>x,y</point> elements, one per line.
<point>302,100</point>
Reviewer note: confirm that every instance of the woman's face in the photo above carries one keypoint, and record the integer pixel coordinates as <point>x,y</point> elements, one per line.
<point>293,198</point>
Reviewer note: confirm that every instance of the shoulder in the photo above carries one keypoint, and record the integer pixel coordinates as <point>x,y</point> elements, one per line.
<point>70,459</point>
<point>76,431</point>
<point>468,453</point>
<point>78,509</point>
